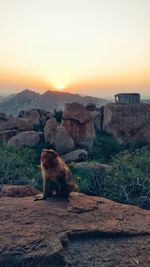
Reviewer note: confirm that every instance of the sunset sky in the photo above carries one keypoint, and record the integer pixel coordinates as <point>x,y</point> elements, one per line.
<point>91,47</point>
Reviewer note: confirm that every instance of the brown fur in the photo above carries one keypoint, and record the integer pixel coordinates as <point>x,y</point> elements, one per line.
<point>56,175</point>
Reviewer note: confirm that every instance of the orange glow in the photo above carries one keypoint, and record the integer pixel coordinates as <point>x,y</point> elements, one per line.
<point>59,86</point>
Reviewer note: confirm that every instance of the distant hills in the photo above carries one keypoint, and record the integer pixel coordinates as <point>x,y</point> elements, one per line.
<point>49,100</point>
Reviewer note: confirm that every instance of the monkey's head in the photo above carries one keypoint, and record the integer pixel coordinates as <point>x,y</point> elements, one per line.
<point>48,157</point>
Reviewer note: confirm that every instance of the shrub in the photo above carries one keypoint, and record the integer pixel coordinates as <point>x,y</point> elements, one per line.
<point>58,115</point>
<point>104,148</point>
<point>18,166</point>
<point>127,181</point>
<point>129,178</point>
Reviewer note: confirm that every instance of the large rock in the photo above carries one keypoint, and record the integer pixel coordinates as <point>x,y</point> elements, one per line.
<point>13,126</point>
<point>18,191</point>
<point>128,123</point>
<point>91,167</point>
<point>16,124</point>
<point>63,141</point>
<point>32,116</point>
<point>76,156</point>
<point>50,130</point>
<point>37,117</point>
<point>83,231</point>
<point>29,138</point>
<point>78,122</point>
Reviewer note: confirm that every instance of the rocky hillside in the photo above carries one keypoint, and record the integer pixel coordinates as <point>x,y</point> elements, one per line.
<point>82,231</point>
<point>50,100</point>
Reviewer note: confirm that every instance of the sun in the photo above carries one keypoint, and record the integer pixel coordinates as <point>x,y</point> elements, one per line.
<point>59,86</point>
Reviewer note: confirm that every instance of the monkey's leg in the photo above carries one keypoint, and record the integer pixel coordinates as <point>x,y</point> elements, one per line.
<point>63,189</point>
<point>47,191</point>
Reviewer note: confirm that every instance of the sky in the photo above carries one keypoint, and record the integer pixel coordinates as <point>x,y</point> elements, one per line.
<point>91,47</point>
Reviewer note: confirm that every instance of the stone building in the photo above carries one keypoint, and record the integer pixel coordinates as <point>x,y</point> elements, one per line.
<point>127,98</point>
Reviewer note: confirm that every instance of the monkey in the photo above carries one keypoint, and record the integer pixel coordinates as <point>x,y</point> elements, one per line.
<point>56,175</point>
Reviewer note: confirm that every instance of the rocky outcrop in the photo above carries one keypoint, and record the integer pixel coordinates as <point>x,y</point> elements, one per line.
<point>18,191</point>
<point>37,117</point>
<point>16,124</point>
<point>83,231</point>
<point>63,141</point>
<point>128,123</point>
<point>91,167</point>
<point>77,121</point>
<point>13,126</point>
<point>76,156</point>
<point>32,116</point>
<point>50,130</point>
<point>28,138</point>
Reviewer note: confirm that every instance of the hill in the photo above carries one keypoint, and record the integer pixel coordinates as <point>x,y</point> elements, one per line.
<point>49,100</point>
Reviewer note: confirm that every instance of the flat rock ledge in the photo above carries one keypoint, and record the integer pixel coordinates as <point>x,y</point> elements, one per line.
<point>82,231</point>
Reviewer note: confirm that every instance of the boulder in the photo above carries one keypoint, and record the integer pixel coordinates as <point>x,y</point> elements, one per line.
<point>81,231</point>
<point>37,117</point>
<point>6,135</point>
<point>76,111</point>
<point>28,138</point>
<point>77,121</point>
<point>128,123</point>
<point>13,126</point>
<point>76,156</point>
<point>16,124</point>
<point>18,191</point>
<point>50,130</point>
<point>92,167</point>
<point>32,116</point>
<point>63,141</point>
<point>91,107</point>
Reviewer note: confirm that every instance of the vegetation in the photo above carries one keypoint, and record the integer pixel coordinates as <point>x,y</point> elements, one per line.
<point>18,166</point>
<point>127,179</point>
<point>58,115</point>
<point>104,148</point>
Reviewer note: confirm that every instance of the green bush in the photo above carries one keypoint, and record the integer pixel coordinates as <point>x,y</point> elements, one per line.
<point>58,115</point>
<point>88,183</point>
<point>129,178</point>
<point>104,148</point>
<point>127,181</point>
<point>18,166</point>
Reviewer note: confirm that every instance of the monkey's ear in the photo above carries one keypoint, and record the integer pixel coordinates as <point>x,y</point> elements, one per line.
<point>56,154</point>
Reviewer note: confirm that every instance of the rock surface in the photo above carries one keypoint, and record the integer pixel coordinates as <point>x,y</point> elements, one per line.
<point>76,156</point>
<point>29,138</point>
<point>63,141</point>
<point>13,126</point>
<point>91,166</point>
<point>18,191</point>
<point>16,124</point>
<point>84,231</point>
<point>128,123</point>
<point>37,117</point>
<point>32,116</point>
<point>78,122</point>
<point>50,130</point>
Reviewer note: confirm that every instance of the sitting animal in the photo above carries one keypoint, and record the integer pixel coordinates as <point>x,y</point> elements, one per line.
<point>56,175</point>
